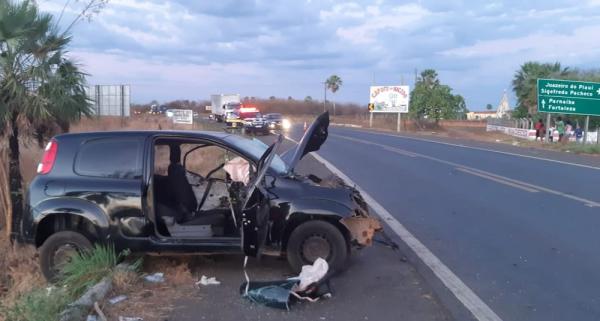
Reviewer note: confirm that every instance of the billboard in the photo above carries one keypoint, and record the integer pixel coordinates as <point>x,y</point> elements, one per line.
<point>389,99</point>
<point>109,100</point>
<point>182,116</point>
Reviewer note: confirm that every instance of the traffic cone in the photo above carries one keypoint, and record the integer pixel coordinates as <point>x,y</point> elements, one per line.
<point>305,126</point>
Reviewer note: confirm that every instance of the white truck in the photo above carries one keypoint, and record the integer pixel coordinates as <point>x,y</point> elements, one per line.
<point>222,104</point>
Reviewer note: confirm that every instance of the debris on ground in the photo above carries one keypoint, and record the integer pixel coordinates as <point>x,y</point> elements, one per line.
<point>208,281</point>
<point>130,319</point>
<point>311,274</point>
<point>308,286</point>
<point>101,315</point>
<point>152,301</point>
<point>77,309</point>
<point>117,299</point>
<point>157,277</point>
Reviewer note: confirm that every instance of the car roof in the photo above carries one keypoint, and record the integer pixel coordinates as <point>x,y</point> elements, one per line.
<point>146,133</point>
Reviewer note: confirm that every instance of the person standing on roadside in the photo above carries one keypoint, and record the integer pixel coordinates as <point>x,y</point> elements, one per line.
<point>560,128</point>
<point>540,130</point>
<point>578,134</point>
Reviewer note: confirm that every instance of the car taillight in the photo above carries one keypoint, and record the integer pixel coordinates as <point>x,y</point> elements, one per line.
<point>45,166</point>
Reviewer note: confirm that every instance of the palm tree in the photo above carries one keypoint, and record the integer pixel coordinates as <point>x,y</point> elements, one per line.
<point>333,83</point>
<point>39,87</point>
<point>525,82</point>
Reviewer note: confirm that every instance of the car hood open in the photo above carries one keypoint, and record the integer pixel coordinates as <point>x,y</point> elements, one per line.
<point>312,140</point>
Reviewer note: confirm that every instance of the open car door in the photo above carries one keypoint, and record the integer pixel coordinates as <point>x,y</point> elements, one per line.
<point>255,210</point>
<point>312,140</point>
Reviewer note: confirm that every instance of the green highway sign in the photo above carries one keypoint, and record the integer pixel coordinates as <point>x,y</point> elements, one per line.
<point>568,97</point>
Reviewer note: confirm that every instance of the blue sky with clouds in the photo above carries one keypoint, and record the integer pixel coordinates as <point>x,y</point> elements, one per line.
<point>190,49</point>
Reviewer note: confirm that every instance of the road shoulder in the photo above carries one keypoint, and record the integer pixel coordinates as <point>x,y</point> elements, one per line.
<point>379,284</point>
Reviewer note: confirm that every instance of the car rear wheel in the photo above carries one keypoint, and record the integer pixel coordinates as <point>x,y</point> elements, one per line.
<point>58,250</point>
<point>314,239</point>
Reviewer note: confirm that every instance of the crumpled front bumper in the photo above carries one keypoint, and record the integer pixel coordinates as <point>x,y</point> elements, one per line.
<point>361,225</point>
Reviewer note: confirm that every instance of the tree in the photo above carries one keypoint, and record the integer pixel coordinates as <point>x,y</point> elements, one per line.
<point>525,82</point>
<point>290,98</point>
<point>333,83</point>
<point>272,98</point>
<point>308,99</point>
<point>39,87</point>
<point>489,107</point>
<point>431,99</point>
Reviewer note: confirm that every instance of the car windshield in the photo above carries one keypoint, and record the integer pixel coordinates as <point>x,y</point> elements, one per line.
<point>256,149</point>
<point>273,116</point>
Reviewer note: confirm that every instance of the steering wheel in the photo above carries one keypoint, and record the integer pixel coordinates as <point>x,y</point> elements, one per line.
<point>214,171</point>
<point>209,185</point>
<point>200,177</point>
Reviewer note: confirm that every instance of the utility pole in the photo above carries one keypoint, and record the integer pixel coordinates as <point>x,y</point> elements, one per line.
<point>416,78</point>
<point>325,96</point>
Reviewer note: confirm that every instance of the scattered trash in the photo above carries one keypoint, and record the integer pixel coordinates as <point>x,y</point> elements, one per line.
<point>515,143</point>
<point>311,274</point>
<point>208,281</point>
<point>498,140</point>
<point>308,286</point>
<point>91,318</point>
<point>117,299</point>
<point>130,318</point>
<point>157,277</point>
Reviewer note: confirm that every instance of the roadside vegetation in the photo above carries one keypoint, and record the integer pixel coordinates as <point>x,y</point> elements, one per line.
<point>83,271</point>
<point>524,85</point>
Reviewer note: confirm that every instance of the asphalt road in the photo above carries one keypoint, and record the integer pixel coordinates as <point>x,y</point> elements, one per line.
<point>522,232</point>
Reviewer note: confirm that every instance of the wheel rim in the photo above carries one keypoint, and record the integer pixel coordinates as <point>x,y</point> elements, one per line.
<point>63,255</point>
<point>314,247</point>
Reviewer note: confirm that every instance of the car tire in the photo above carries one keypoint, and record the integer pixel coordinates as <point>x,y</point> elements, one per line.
<point>56,242</point>
<point>312,239</point>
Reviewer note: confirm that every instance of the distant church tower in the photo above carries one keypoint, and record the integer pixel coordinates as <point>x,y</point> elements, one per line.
<point>503,110</point>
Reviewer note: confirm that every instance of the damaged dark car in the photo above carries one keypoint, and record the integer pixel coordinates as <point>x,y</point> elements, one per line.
<point>189,192</point>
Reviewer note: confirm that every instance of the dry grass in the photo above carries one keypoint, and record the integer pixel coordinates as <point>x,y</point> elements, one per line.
<point>20,270</point>
<point>152,301</point>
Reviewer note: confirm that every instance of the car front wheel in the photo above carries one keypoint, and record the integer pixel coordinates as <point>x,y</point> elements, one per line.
<point>314,239</point>
<point>58,250</point>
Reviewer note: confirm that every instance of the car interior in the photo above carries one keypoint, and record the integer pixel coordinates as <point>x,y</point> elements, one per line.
<point>194,195</point>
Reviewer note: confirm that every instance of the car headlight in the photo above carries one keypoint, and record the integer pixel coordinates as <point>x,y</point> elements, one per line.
<point>286,124</point>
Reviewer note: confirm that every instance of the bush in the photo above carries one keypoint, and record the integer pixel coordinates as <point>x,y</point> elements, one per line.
<point>37,305</point>
<point>82,272</point>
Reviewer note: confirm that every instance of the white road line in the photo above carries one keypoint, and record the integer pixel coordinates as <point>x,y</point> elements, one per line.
<point>484,149</point>
<point>497,180</point>
<point>463,293</point>
<point>522,184</point>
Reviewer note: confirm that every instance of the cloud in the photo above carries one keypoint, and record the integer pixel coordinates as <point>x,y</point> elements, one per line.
<point>540,45</point>
<point>373,19</point>
<point>184,48</point>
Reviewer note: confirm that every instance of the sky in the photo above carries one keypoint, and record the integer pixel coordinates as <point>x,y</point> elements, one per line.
<point>180,49</point>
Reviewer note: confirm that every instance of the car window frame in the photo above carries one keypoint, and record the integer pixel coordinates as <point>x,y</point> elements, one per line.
<point>193,140</point>
<point>140,161</point>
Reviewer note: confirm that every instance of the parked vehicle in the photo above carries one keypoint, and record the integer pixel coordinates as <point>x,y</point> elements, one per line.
<point>256,125</point>
<point>239,116</point>
<point>189,192</point>
<point>276,121</point>
<point>222,104</point>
